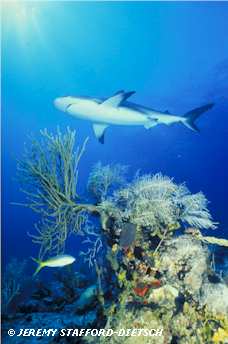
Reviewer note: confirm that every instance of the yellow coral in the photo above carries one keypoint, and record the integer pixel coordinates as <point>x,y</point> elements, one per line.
<point>122,276</point>
<point>221,336</point>
<point>130,255</point>
<point>114,248</point>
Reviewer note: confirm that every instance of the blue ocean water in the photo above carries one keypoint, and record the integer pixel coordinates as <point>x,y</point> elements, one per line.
<point>174,55</point>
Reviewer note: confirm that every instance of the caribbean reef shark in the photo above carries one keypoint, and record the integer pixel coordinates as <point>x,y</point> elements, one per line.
<point>116,110</point>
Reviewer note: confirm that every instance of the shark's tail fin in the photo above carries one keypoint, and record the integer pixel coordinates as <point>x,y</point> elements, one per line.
<point>191,116</point>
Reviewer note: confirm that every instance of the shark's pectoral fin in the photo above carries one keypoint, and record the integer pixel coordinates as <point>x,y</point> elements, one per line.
<point>99,131</point>
<point>118,98</point>
<point>151,123</point>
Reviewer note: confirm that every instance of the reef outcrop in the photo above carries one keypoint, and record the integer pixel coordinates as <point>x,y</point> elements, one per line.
<point>149,263</point>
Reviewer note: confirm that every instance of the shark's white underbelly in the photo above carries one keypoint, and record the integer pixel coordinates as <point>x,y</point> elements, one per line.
<point>109,115</point>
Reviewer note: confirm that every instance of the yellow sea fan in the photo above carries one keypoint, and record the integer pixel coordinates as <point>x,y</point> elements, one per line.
<point>214,240</point>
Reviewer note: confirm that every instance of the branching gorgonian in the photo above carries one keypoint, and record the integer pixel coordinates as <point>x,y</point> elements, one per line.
<point>155,201</point>
<point>103,178</point>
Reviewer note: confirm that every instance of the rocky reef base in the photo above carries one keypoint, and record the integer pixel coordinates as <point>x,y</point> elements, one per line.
<point>175,290</point>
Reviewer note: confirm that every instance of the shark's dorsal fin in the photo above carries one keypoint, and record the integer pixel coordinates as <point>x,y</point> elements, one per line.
<point>99,131</point>
<point>118,98</point>
<point>118,92</point>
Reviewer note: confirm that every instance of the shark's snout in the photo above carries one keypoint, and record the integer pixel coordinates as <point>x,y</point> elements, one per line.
<point>61,103</point>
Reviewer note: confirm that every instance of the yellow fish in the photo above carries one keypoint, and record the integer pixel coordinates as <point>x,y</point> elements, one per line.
<point>53,262</point>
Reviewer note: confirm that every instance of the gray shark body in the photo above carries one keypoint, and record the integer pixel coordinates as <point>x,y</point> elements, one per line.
<point>116,110</point>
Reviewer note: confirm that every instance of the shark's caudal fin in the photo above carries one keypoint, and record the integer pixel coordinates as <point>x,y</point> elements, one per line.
<point>39,267</point>
<point>191,116</point>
